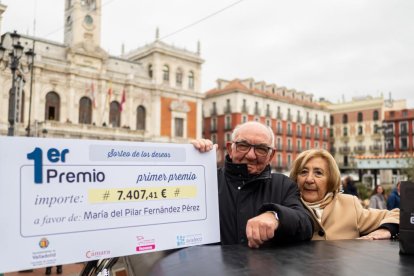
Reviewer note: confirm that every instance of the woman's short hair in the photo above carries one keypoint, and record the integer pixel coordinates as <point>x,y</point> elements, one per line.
<point>334,175</point>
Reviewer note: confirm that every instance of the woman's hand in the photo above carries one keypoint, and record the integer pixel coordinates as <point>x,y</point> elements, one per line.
<point>379,234</point>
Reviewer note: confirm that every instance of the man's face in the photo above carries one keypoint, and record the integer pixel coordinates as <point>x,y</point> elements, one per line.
<point>254,135</point>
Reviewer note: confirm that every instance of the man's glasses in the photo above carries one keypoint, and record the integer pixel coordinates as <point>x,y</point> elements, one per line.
<point>259,150</point>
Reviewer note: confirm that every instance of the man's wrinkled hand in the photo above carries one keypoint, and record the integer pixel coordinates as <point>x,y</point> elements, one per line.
<point>261,228</point>
<point>203,145</point>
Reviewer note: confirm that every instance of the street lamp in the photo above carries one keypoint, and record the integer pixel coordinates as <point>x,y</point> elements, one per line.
<point>12,58</point>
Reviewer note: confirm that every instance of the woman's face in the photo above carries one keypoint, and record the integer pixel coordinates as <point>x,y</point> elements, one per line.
<point>313,179</point>
<point>380,190</point>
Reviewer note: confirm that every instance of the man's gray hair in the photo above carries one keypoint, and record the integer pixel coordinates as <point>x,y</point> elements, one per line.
<point>237,128</point>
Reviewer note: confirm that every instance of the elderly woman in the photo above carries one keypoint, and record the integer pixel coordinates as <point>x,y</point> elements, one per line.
<point>337,216</point>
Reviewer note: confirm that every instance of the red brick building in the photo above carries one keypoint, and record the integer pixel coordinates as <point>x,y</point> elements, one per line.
<point>398,131</point>
<point>297,121</point>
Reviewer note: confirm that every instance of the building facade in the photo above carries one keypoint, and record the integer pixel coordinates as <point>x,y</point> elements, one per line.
<point>399,132</point>
<point>298,122</point>
<point>78,90</point>
<point>357,129</point>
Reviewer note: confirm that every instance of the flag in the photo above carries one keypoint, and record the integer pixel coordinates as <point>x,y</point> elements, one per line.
<point>109,95</point>
<point>93,95</point>
<point>123,100</point>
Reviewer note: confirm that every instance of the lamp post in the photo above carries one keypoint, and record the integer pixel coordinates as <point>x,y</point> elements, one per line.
<point>12,58</point>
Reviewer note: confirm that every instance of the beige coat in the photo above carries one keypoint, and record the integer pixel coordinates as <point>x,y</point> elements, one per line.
<point>345,218</point>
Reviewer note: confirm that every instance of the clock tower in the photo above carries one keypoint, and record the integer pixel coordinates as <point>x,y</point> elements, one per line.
<point>83,23</point>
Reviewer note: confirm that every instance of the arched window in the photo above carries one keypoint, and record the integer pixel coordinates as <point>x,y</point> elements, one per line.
<point>141,118</point>
<point>150,73</point>
<point>345,119</point>
<point>360,117</point>
<point>52,107</point>
<point>85,110</point>
<point>375,115</point>
<point>115,114</point>
<point>179,77</point>
<point>191,80</point>
<point>165,73</point>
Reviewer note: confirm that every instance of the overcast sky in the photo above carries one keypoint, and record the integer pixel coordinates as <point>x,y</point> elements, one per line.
<point>330,48</point>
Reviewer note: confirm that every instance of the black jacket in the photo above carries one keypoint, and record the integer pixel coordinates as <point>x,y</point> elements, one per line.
<point>243,196</point>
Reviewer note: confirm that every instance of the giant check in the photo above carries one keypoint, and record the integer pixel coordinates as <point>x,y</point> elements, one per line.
<point>64,201</point>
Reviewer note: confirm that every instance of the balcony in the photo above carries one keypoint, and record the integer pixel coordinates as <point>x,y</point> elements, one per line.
<point>279,147</point>
<point>289,117</point>
<point>375,148</point>
<point>289,149</point>
<point>389,149</point>
<point>257,111</point>
<point>359,149</point>
<point>333,150</point>
<point>325,137</point>
<point>245,109</point>
<point>227,127</point>
<point>317,135</point>
<point>299,119</point>
<point>376,136</point>
<point>289,132</point>
<point>360,138</point>
<point>213,111</point>
<point>325,123</point>
<point>345,139</point>
<point>279,115</point>
<point>344,150</point>
<point>268,113</point>
<point>307,135</point>
<point>227,109</point>
<point>403,132</point>
<point>279,131</point>
<point>298,133</point>
<point>403,148</point>
<point>308,121</point>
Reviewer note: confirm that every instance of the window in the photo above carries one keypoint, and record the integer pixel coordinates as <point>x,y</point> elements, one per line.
<point>214,138</point>
<point>150,73</point>
<point>228,137</point>
<point>289,160</point>
<point>165,73</point>
<point>278,144</point>
<point>403,143</point>
<point>316,145</point>
<point>279,128</point>
<point>299,145</point>
<point>307,144</point>
<point>376,129</point>
<point>179,77</point>
<point>404,128</point>
<point>191,80</point>
<point>360,117</point>
<point>345,131</point>
<point>375,115</point>
<point>268,122</point>
<point>213,124</point>
<point>279,160</point>
<point>244,118</point>
<point>85,110</point>
<point>178,127</point>
<point>360,130</point>
<point>52,107</point>
<point>141,116</point>
<point>228,122</point>
<point>345,119</point>
<point>115,114</point>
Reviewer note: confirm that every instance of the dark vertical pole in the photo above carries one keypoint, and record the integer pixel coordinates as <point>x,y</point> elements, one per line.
<point>31,92</point>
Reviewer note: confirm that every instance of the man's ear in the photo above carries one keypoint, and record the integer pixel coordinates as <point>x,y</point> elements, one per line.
<point>229,149</point>
<point>272,155</point>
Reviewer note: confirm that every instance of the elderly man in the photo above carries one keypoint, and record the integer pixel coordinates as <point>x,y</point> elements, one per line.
<point>256,206</point>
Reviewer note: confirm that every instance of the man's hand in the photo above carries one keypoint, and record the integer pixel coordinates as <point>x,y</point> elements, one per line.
<point>261,228</point>
<point>203,145</point>
<point>379,234</point>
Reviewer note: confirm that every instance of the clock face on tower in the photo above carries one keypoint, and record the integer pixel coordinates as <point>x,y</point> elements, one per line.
<point>88,20</point>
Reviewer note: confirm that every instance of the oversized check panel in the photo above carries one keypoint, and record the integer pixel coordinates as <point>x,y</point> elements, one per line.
<point>65,201</point>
